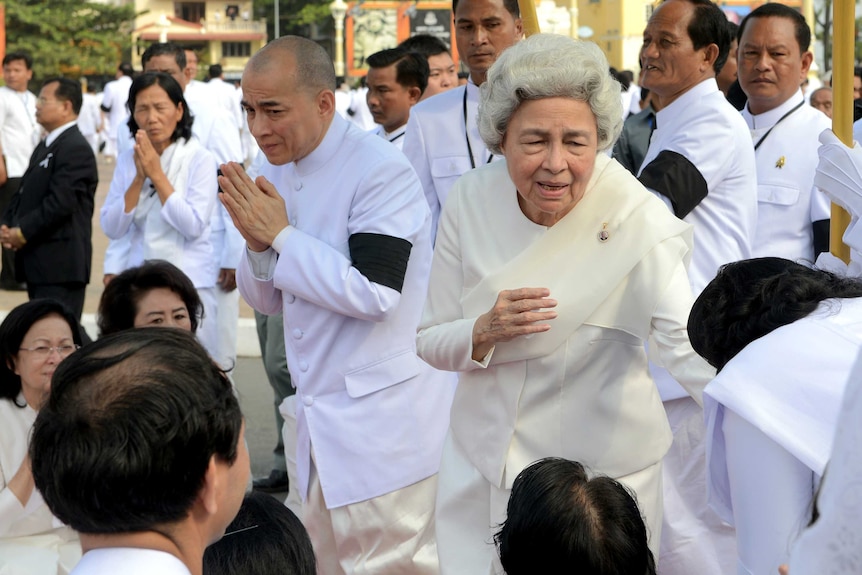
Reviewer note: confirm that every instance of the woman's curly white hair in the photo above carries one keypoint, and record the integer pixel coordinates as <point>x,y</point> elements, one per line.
<point>549,66</point>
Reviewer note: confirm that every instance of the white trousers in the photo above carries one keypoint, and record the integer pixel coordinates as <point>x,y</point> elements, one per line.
<point>470,510</point>
<point>694,538</point>
<point>388,535</point>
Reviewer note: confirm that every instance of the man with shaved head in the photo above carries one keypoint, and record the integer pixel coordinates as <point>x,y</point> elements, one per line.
<point>338,239</point>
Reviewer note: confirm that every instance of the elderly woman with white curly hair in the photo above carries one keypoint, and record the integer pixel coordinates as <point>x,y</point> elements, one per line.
<point>551,271</point>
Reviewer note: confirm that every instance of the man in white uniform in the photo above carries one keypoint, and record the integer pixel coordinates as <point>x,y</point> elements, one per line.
<point>142,451</point>
<point>224,95</point>
<point>114,101</point>
<point>215,133</point>
<point>701,163</point>
<point>338,238</point>
<point>443,139</point>
<point>792,215</point>
<point>396,79</point>
<point>19,134</point>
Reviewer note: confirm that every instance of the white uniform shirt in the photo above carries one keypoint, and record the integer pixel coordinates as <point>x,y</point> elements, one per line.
<point>18,129</point>
<point>702,126</point>
<point>436,143</point>
<point>788,202</point>
<point>771,415</point>
<point>224,96</point>
<point>186,212</point>
<point>833,545</point>
<point>129,561</point>
<point>373,412</point>
<point>396,137</point>
<point>116,98</point>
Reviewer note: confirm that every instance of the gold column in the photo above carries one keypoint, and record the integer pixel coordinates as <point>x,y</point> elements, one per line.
<point>842,108</point>
<point>529,19</point>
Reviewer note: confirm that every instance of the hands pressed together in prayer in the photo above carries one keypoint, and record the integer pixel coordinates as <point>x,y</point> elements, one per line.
<point>515,313</point>
<point>256,208</point>
<point>147,165</point>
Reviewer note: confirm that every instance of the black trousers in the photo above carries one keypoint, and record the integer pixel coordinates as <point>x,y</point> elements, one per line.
<point>7,271</point>
<point>71,294</point>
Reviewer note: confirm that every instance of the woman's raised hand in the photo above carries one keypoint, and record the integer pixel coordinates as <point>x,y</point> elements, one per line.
<point>515,313</point>
<point>146,158</point>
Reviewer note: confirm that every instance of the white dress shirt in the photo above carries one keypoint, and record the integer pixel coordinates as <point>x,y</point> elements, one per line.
<point>19,131</point>
<point>787,203</point>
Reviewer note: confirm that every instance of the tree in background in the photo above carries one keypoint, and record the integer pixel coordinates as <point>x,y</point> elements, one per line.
<point>71,38</point>
<point>296,17</point>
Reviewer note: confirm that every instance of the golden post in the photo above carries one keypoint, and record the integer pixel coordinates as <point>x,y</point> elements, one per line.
<point>842,113</point>
<point>529,19</point>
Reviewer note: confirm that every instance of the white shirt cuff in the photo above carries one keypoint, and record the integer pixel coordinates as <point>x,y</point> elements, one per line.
<point>262,263</point>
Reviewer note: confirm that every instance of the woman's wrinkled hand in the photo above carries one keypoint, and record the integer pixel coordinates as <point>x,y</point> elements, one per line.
<point>516,313</point>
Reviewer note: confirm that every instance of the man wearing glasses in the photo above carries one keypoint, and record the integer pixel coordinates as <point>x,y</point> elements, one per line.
<point>49,221</point>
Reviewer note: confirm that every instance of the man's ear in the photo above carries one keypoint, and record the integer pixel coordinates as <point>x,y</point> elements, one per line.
<point>326,102</point>
<point>414,93</point>
<point>710,55</point>
<point>208,495</point>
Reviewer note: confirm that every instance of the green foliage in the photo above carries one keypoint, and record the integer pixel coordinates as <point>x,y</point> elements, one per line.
<point>69,37</point>
<point>295,16</point>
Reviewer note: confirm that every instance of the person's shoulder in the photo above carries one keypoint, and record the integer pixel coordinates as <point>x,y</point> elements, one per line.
<point>813,120</point>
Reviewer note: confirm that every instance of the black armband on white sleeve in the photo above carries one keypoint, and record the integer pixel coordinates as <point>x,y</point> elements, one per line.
<point>675,177</point>
<point>382,259</point>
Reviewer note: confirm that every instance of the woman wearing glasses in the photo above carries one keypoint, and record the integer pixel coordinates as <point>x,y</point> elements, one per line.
<point>34,338</point>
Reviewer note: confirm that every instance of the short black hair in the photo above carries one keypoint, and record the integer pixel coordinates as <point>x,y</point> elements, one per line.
<point>708,25</point>
<point>215,71</point>
<point>265,538</point>
<point>68,90</point>
<point>165,49</point>
<point>130,427</point>
<point>175,93</point>
<point>126,69</point>
<point>119,303</point>
<point>511,6</point>
<point>19,55</point>
<point>560,520</point>
<point>776,10</point>
<point>411,68</point>
<point>751,298</point>
<point>425,44</point>
<point>12,331</point>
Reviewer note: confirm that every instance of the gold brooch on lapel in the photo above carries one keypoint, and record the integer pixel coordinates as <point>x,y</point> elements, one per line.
<point>780,163</point>
<point>604,235</point>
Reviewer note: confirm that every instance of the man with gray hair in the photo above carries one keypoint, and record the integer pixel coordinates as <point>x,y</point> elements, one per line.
<point>338,238</point>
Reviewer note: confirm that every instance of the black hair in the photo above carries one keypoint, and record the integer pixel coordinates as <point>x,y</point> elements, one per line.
<point>126,69</point>
<point>776,10</point>
<point>265,538</point>
<point>559,520</point>
<point>750,298</point>
<point>12,332</point>
<point>411,68</point>
<point>165,49</point>
<point>68,90</point>
<point>119,303</point>
<point>215,71</point>
<point>175,93</point>
<point>15,56</point>
<point>708,25</point>
<point>425,44</point>
<point>125,439</point>
<point>511,7</point>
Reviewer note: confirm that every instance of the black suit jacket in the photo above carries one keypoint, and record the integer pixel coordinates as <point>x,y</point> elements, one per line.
<point>54,209</point>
